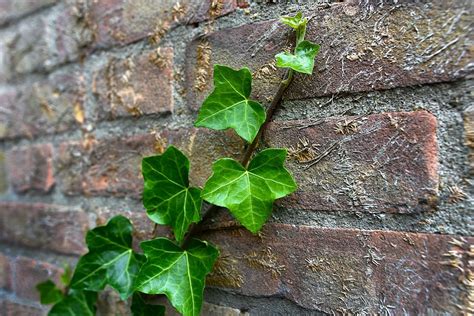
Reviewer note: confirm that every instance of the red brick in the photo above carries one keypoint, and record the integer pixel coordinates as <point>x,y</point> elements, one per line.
<point>469,134</point>
<point>44,41</point>
<point>31,168</point>
<point>10,10</point>
<point>5,273</point>
<point>344,270</point>
<point>379,163</point>
<point>29,272</point>
<point>112,166</point>
<point>363,48</point>
<point>16,309</point>
<point>50,227</point>
<point>43,107</point>
<point>135,85</point>
<point>126,21</point>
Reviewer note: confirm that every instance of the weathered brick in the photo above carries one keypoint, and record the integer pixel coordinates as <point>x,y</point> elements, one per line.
<point>5,273</point>
<point>469,134</point>
<point>49,227</point>
<point>363,48</point>
<point>3,174</point>
<point>135,85</point>
<point>379,163</point>
<point>15,309</point>
<point>126,21</point>
<point>11,10</point>
<point>44,41</point>
<point>344,270</point>
<point>45,106</point>
<point>112,166</point>
<point>31,168</point>
<point>29,272</point>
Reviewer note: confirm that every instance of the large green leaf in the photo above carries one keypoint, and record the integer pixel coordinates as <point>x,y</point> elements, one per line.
<point>76,303</point>
<point>110,259</point>
<point>167,196</point>
<point>49,293</point>
<point>179,274</point>
<point>229,106</point>
<point>141,308</point>
<point>294,21</point>
<point>249,193</point>
<point>303,59</point>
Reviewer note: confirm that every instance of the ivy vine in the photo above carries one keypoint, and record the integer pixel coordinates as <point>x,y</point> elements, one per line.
<point>178,268</point>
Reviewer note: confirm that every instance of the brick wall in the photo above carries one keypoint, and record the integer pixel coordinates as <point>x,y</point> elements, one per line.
<point>381,224</point>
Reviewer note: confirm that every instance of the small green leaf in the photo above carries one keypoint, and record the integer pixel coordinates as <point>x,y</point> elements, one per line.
<point>302,61</point>
<point>179,274</point>
<point>76,303</point>
<point>294,21</point>
<point>67,275</point>
<point>167,196</point>
<point>249,193</point>
<point>49,293</point>
<point>141,308</point>
<point>229,106</point>
<point>110,259</point>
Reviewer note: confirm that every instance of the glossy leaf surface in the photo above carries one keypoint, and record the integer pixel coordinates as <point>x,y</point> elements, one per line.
<point>76,303</point>
<point>110,259</point>
<point>179,274</point>
<point>249,193</point>
<point>167,196</point>
<point>49,293</point>
<point>303,59</point>
<point>229,106</point>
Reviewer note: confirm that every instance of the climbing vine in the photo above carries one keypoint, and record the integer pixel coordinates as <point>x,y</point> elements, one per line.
<point>178,268</point>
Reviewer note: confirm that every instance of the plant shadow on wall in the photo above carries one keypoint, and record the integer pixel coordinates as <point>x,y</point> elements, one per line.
<point>178,268</point>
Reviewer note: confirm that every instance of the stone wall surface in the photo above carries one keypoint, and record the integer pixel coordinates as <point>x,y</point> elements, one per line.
<point>380,141</point>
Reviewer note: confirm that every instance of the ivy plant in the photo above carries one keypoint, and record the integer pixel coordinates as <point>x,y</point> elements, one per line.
<point>178,268</point>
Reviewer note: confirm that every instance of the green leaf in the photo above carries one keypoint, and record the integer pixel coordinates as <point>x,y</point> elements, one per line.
<point>76,303</point>
<point>141,308</point>
<point>249,193</point>
<point>229,106</point>
<point>179,274</point>
<point>67,275</point>
<point>49,293</point>
<point>294,21</point>
<point>110,259</point>
<point>167,196</point>
<point>302,61</point>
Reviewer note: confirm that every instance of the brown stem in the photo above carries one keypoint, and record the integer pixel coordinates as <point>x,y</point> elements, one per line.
<point>210,210</point>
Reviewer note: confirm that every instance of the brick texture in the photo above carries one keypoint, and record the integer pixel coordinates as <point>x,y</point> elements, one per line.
<point>345,270</point>
<point>10,10</point>
<point>118,22</point>
<point>42,107</point>
<point>112,166</point>
<point>41,226</point>
<point>29,272</point>
<point>135,85</point>
<point>379,163</point>
<point>31,168</point>
<point>5,273</point>
<point>364,48</point>
<point>14,309</point>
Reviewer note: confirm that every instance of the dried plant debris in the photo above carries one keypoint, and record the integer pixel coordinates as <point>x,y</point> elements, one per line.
<point>178,12</point>
<point>304,151</point>
<point>225,273</point>
<point>203,66</point>
<point>347,127</point>
<point>159,32</point>
<point>158,59</point>
<point>456,194</point>
<point>266,72</point>
<point>267,260</point>
<point>460,257</point>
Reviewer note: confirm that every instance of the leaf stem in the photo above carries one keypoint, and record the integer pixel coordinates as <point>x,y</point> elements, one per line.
<point>210,210</point>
